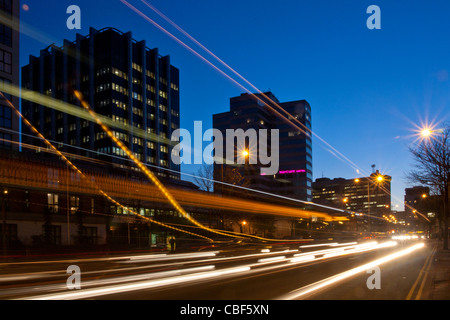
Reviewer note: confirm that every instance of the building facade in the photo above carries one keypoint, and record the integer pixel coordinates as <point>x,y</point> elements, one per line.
<point>133,86</point>
<point>256,111</point>
<point>9,71</point>
<point>368,195</point>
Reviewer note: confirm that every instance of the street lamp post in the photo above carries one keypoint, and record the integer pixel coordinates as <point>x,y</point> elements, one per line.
<point>378,179</point>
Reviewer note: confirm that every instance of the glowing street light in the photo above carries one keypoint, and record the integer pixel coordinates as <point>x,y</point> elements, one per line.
<point>245,153</point>
<point>426,133</point>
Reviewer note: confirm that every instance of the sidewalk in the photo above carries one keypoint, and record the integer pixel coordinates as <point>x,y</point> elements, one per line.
<point>439,275</point>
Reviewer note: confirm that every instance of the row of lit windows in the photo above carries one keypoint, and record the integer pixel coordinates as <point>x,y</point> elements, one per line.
<point>113,86</point>
<point>114,71</point>
<point>137,67</point>
<point>124,106</point>
<point>143,211</point>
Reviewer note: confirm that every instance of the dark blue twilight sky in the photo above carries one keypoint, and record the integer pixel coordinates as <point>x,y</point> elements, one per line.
<point>368,88</point>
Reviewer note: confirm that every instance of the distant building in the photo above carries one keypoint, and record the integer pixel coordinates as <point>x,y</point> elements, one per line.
<point>251,111</point>
<point>360,195</point>
<point>121,79</point>
<point>416,201</point>
<point>9,71</point>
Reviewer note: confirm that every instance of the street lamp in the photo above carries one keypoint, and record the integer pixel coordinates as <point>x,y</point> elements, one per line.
<point>246,155</point>
<point>426,133</point>
<point>379,178</point>
<point>243,223</point>
<point>442,165</point>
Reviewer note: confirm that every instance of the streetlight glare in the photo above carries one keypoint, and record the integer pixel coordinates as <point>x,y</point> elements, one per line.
<point>425,132</point>
<point>245,153</point>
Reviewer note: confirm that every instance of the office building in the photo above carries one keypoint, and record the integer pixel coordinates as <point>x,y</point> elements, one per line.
<point>9,71</point>
<point>123,80</point>
<point>360,195</point>
<point>256,111</point>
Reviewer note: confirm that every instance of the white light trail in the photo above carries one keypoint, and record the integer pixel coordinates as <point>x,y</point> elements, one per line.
<point>142,285</point>
<point>313,288</point>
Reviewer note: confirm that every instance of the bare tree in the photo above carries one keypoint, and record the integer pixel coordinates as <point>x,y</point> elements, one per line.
<point>432,168</point>
<point>205,177</point>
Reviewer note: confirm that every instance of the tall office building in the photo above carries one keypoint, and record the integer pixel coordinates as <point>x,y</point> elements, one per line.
<point>9,70</point>
<point>255,111</point>
<point>120,78</point>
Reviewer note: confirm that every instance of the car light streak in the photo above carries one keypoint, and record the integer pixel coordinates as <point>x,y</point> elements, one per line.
<point>313,288</point>
<point>272,259</point>
<point>163,257</point>
<point>264,262</point>
<point>141,285</point>
<point>109,281</point>
<point>167,194</point>
<point>318,245</point>
<point>78,171</point>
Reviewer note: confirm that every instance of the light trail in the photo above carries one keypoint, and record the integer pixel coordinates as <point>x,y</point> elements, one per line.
<point>75,168</point>
<point>269,261</point>
<point>328,282</point>
<point>71,155</point>
<point>75,111</point>
<point>62,106</point>
<point>89,293</point>
<point>286,117</point>
<point>145,170</point>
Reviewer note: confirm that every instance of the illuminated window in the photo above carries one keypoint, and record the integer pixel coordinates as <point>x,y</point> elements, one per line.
<point>52,202</point>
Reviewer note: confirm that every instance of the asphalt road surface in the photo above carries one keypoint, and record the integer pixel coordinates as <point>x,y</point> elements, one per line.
<point>367,270</point>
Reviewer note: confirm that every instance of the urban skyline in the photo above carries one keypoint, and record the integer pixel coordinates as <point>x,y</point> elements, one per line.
<point>310,126</point>
<point>377,62</point>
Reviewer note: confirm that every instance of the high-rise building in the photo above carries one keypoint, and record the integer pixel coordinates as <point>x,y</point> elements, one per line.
<point>121,79</point>
<point>9,71</point>
<point>256,111</point>
<point>361,195</point>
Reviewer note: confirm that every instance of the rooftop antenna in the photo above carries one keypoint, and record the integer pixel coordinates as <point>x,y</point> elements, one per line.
<point>373,168</point>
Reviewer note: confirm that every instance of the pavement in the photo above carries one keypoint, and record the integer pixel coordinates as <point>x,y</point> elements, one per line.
<point>437,286</point>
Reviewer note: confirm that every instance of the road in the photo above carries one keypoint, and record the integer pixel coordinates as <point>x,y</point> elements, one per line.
<point>330,271</point>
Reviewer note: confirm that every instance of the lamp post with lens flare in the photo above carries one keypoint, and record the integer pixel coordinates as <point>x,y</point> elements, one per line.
<point>377,179</point>
<point>246,154</point>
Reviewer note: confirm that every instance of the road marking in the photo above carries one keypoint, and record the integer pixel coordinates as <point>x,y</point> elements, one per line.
<point>422,275</point>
